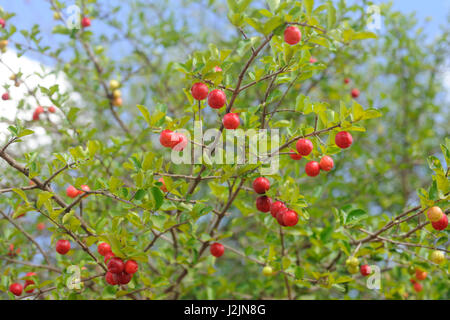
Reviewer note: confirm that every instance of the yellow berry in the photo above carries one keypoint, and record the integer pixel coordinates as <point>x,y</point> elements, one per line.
<point>434,214</point>
<point>437,257</point>
<point>267,271</point>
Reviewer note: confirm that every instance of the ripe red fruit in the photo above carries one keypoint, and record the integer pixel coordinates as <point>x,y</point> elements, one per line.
<point>163,187</point>
<point>29,282</point>
<point>84,188</point>
<point>37,112</point>
<point>294,155</point>
<point>40,226</point>
<point>103,248</point>
<point>85,22</point>
<point>290,218</point>
<point>217,99</point>
<point>116,265</point>
<point>263,203</point>
<point>111,278</point>
<point>217,69</point>
<point>365,270</point>
<point>231,121</point>
<point>292,35</point>
<point>441,224</point>
<point>16,289</point>
<point>131,267</point>
<point>280,217</point>
<point>179,141</point>
<point>62,246</point>
<point>72,192</point>
<point>312,60</point>
<point>304,146</point>
<point>2,23</point>
<point>261,185</point>
<point>217,249</point>
<point>346,80</point>
<point>355,93</point>
<point>326,163</point>
<point>343,139</point>
<point>312,168</point>
<point>165,138</point>
<point>108,256</point>
<point>124,278</point>
<point>51,109</point>
<point>199,91</point>
<point>412,280</point>
<point>421,274</point>
<point>276,207</point>
<point>418,287</point>
<point>5,96</point>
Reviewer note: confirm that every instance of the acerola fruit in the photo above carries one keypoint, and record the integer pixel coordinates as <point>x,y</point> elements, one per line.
<point>179,141</point>
<point>16,289</point>
<point>116,265</point>
<point>72,192</point>
<point>346,80</point>
<point>165,138</point>
<point>365,270</point>
<point>51,109</point>
<point>5,96</point>
<point>412,280</point>
<point>312,168</point>
<point>37,112</point>
<point>117,102</point>
<point>353,269</point>
<point>114,84</point>
<point>312,60</point>
<point>343,139</point>
<point>437,256</point>
<point>292,35</point>
<point>355,93</point>
<point>441,224</point>
<point>29,282</point>
<point>418,287</point>
<point>217,99</point>
<point>421,274</point>
<point>124,278</point>
<point>231,121</point>
<point>352,262</point>
<point>280,217</point>
<point>434,214</point>
<point>108,256</point>
<point>40,226</point>
<point>217,249</point>
<point>163,187</point>
<point>199,91</point>
<point>267,271</point>
<point>261,185</point>
<point>103,248</point>
<point>116,93</point>
<point>84,188</point>
<point>131,267</point>
<point>326,163</point>
<point>290,218</point>
<point>111,278</point>
<point>304,146</point>
<point>276,207</point>
<point>217,69</point>
<point>263,203</point>
<point>3,44</point>
<point>294,155</point>
<point>62,246</point>
<point>2,23</point>
<point>85,22</point>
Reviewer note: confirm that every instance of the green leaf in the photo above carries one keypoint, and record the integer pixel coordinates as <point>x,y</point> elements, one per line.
<point>158,196</point>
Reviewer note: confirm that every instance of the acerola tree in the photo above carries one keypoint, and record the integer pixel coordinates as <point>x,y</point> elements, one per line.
<point>104,212</point>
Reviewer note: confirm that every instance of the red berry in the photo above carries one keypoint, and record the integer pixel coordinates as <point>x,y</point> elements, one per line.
<point>294,155</point>
<point>304,146</point>
<point>290,218</point>
<point>103,248</point>
<point>217,99</point>
<point>292,35</point>
<point>39,110</point>
<point>72,192</point>
<point>231,121</point>
<point>312,168</point>
<point>412,280</point>
<point>62,246</point>
<point>217,249</point>
<point>312,60</point>
<point>2,23</point>
<point>418,287</point>
<point>29,282</point>
<point>84,188</point>
<point>441,224</point>
<point>217,69</point>
<point>131,267</point>
<point>280,217</point>
<point>165,138</point>
<point>5,96</point>
<point>35,116</point>
<point>163,187</point>
<point>16,289</point>
<point>276,207</point>
<point>199,91</point>
<point>365,270</point>
<point>40,226</point>
<point>355,93</point>
<point>85,22</point>
<point>326,163</point>
<point>263,203</point>
<point>179,141</point>
<point>51,109</point>
<point>108,256</point>
<point>343,139</point>
<point>111,278</point>
<point>420,274</point>
<point>346,80</point>
<point>261,185</point>
<point>124,278</point>
<point>116,265</point>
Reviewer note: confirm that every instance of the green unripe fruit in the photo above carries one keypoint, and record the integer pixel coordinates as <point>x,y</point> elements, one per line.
<point>267,271</point>
<point>352,262</point>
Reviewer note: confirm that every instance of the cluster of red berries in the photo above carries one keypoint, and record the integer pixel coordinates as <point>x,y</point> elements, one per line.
<point>174,140</point>
<point>119,272</point>
<point>73,192</point>
<point>284,216</point>
<point>12,252</point>
<point>16,288</point>
<point>420,275</point>
<point>39,110</point>
<point>438,219</point>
